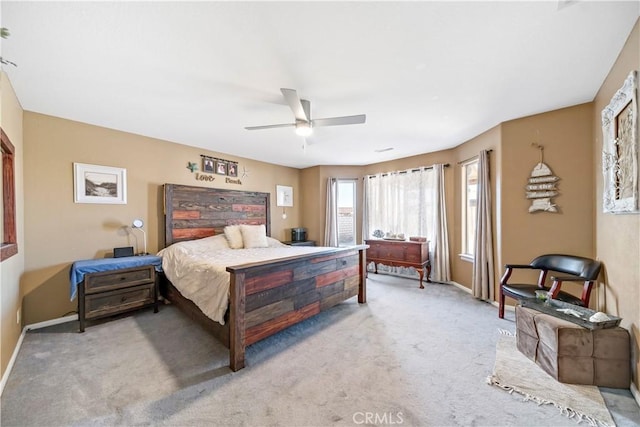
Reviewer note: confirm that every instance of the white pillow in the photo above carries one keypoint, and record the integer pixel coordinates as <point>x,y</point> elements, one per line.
<point>254,236</point>
<point>234,236</point>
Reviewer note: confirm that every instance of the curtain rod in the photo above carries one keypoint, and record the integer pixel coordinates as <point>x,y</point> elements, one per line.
<point>471,158</point>
<point>446,165</point>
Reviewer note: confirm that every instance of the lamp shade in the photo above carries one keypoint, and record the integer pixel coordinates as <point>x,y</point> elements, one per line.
<point>138,223</point>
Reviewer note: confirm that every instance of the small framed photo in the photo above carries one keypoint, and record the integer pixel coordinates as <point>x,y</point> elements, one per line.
<point>221,167</point>
<point>208,165</point>
<point>99,184</point>
<point>284,195</point>
<point>232,169</point>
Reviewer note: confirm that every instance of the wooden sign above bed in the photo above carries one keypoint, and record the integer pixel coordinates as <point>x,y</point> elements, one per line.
<point>196,212</point>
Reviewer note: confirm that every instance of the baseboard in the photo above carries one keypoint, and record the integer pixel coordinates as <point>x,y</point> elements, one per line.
<point>493,303</point>
<point>51,322</point>
<point>12,361</point>
<point>635,393</point>
<point>459,286</point>
<point>16,350</point>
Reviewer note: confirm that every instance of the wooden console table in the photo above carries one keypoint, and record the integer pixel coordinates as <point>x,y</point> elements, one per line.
<point>400,254</point>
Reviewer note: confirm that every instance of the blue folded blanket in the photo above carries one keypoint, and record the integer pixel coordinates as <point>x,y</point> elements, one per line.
<point>80,268</point>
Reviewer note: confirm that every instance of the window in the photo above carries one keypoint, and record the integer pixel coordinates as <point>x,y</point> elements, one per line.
<point>346,212</point>
<point>469,207</point>
<point>9,241</point>
<point>402,202</point>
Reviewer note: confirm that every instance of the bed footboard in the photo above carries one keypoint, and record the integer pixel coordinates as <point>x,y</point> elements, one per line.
<point>268,297</point>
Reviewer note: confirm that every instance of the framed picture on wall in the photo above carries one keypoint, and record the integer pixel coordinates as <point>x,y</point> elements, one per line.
<point>208,165</point>
<point>221,167</point>
<point>232,169</point>
<point>620,154</point>
<point>99,184</point>
<point>284,195</point>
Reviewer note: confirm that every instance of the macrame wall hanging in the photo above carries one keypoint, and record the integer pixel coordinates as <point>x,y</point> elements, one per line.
<point>542,186</point>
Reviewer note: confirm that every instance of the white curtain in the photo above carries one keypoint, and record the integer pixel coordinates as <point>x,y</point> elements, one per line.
<point>366,232</point>
<point>441,263</point>
<point>410,202</point>
<point>482,284</point>
<point>331,219</point>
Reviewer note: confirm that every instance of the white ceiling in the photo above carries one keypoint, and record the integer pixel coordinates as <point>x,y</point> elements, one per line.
<point>428,75</point>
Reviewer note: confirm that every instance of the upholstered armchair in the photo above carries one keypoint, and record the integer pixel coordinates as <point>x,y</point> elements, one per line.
<point>577,268</point>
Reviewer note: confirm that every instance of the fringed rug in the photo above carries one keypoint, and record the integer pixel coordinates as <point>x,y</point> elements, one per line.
<point>515,373</point>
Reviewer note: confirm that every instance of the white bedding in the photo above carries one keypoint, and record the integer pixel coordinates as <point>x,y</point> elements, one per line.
<point>197,268</point>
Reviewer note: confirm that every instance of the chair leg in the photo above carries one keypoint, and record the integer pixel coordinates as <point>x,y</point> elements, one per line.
<point>501,305</point>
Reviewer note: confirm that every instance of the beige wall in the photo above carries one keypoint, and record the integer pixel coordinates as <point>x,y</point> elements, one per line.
<point>59,231</point>
<point>11,269</point>
<point>567,137</point>
<point>618,236</point>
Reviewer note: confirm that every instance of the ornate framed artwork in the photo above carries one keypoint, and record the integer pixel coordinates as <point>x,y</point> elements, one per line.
<point>620,154</point>
<point>99,184</point>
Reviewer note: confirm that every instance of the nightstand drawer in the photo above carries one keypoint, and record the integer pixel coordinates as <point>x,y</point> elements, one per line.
<point>114,302</point>
<point>117,279</point>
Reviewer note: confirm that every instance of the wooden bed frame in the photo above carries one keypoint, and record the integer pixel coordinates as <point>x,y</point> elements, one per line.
<point>265,297</point>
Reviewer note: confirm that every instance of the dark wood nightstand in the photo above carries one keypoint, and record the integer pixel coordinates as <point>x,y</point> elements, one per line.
<point>113,291</point>
<point>305,243</point>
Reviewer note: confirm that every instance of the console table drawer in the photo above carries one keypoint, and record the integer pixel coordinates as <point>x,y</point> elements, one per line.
<point>101,304</point>
<point>396,252</point>
<point>400,253</point>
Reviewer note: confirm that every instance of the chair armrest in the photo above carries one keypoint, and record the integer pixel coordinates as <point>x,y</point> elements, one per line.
<point>586,290</point>
<point>508,269</point>
<point>518,266</point>
<point>568,279</point>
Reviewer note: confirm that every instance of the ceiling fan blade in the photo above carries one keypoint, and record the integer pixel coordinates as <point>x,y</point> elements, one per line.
<point>337,121</point>
<point>291,96</point>
<point>284,125</point>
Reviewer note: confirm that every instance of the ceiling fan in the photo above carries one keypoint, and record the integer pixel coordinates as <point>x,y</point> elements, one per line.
<point>302,111</point>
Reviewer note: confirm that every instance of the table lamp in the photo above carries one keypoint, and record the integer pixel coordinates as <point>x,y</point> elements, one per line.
<point>137,223</point>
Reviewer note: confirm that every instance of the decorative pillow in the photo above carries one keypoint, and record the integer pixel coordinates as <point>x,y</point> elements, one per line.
<point>234,236</point>
<point>254,236</point>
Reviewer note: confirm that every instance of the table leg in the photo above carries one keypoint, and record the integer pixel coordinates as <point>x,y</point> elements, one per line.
<point>81,307</point>
<point>421,273</point>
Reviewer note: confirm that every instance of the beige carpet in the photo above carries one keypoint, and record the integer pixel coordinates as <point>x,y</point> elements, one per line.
<point>514,372</point>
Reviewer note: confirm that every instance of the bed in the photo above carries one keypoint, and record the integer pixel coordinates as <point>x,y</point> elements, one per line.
<point>264,296</point>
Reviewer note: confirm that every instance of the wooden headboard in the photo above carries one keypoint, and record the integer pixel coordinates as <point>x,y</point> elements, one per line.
<point>197,212</point>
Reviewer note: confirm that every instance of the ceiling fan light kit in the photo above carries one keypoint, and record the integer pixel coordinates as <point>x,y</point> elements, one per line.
<point>302,112</point>
<point>303,129</point>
